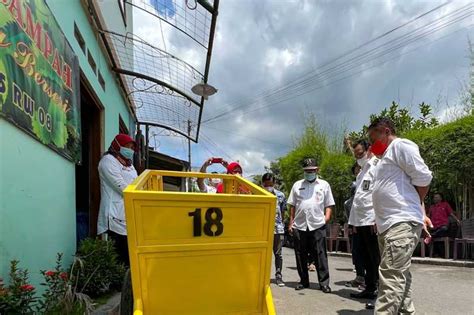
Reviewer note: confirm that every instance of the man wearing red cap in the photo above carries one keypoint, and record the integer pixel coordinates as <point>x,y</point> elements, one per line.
<point>116,172</point>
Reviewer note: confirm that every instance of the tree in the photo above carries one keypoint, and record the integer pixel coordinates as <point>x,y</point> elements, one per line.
<point>448,151</point>
<point>402,119</point>
<point>312,143</point>
<point>336,170</point>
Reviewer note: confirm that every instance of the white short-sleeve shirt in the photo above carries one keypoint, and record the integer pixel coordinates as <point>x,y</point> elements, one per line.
<point>394,196</point>
<point>362,211</point>
<point>310,200</point>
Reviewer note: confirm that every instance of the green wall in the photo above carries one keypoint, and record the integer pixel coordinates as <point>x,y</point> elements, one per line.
<point>37,186</point>
<point>37,209</point>
<point>70,11</point>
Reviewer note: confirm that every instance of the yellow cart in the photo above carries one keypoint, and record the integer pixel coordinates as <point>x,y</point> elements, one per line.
<point>196,253</point>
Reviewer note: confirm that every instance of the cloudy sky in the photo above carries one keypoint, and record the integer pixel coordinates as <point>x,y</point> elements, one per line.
<point>264,49</point>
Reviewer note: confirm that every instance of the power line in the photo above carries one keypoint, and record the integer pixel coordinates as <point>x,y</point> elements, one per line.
<point>212,143</point>
<point>306,84</point>
<point>343,78</point>
<point>349,51</point>
<point>351,67</point>
<point>248,137</point>
<point>340,68</point>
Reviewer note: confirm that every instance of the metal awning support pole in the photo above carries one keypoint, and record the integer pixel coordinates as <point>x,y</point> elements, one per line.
<point>147,152</point>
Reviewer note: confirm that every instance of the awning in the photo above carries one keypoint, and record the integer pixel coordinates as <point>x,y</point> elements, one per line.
<point>157,83</point>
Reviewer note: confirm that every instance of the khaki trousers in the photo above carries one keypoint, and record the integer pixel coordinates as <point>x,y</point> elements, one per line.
<point>396,247</point>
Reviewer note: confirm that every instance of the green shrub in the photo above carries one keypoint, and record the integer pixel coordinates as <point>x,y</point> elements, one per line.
<point>100,270</point>
<point>19,296</point>
<point>61,295</point>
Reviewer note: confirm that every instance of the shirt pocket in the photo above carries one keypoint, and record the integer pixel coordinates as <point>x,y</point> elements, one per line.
<point>319,196</point>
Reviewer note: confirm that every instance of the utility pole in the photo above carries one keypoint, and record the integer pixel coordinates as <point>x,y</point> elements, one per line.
<point>189,144</point>
<point>189,181</point>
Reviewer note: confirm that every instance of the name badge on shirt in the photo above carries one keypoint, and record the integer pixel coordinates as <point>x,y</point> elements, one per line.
<point>366,185</point>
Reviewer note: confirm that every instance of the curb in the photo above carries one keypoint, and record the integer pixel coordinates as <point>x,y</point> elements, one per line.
<point>423,261</point>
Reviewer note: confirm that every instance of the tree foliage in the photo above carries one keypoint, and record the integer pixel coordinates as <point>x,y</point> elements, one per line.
<point>402,119</point>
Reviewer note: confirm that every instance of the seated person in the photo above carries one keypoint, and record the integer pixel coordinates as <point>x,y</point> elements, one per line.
<point>439,214</point>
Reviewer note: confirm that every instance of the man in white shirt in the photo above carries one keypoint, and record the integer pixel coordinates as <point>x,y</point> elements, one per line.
<point>401,183</point>
<point>311,201</point>
<point>362,218</point>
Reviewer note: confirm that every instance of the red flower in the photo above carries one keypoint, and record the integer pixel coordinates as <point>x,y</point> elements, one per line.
<point>50,273</point>
<point>63,276</point>
<point>27,287</point>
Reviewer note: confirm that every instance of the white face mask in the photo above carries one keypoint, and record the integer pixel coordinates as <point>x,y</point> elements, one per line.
<point>215,181</point>
<point>269,189</point>
<point>362,160</point>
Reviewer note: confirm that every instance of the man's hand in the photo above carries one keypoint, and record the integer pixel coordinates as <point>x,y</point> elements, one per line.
<point>290,228</point>
<point>327,217</point>
<point>427,223</point>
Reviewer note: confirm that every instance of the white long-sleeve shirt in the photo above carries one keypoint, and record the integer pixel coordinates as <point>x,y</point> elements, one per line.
<point>362,211</point>
<point>114,178</point>
<point>394,196</point>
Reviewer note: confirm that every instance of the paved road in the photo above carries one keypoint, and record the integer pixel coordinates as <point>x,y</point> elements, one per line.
<point>437,290</point>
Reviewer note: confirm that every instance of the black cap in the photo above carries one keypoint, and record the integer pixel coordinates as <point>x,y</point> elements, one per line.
<point>309,164</point>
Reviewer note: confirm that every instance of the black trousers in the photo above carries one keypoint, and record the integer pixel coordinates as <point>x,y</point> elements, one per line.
<point>441,231</point>
<point>370,254</point>
<point>121,246</point>
<point>357,258</point>
<point>314,242</point>
<point>277,247</point>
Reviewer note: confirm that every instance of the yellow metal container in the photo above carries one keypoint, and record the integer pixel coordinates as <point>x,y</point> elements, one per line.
<point>196,253</point>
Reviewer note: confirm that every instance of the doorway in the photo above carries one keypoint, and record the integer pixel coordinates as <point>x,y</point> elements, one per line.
<point>87,175</point>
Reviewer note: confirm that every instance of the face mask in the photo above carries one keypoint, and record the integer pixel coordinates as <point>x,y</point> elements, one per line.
<point>310,177</point>
<point>269,189</point>
<point>378,147</point>
<point>127,153</point>
<point>362,161</point>
<point>215,181</point>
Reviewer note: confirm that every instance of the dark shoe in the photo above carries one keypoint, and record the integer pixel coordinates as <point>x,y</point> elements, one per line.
<point>326,289</point>
<point>355,283</point>
<point>280,283</point>
<point>301,286</point>
<point>369,306</point>
<point>364,295</point>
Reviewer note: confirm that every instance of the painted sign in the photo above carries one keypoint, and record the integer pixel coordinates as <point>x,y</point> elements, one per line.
<point>39,76</point>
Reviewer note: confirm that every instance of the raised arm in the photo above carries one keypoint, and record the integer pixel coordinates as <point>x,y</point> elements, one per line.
<point>200,181</point>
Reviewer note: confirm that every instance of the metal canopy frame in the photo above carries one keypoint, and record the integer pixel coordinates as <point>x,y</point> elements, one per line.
<point>157,83</point>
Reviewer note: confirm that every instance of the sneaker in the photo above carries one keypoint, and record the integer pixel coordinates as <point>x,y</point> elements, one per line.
<point>280,283</point>
<point>312,268</point>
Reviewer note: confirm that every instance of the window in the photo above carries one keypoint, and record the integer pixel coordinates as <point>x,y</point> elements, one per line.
<point>79,38</point>
<point>101,80</point>
<point>122,126</point>
<point>91,61</point>
<point>122,6</point>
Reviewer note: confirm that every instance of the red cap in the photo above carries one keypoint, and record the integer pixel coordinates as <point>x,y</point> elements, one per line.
<point>232,166</point>
<point>121,140</point>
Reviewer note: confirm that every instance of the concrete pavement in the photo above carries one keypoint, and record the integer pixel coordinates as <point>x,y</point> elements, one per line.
<point>436,290</point>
